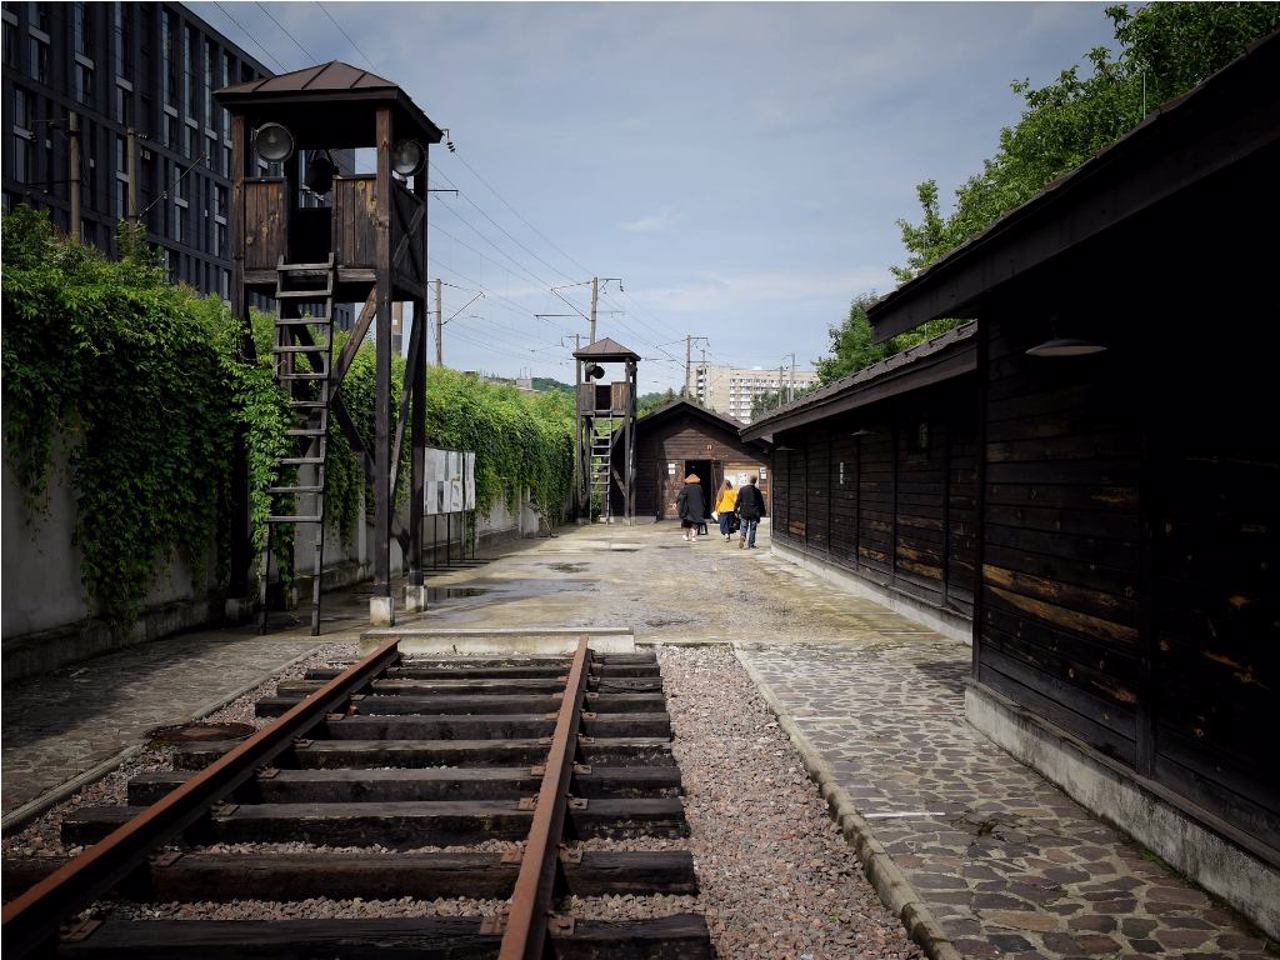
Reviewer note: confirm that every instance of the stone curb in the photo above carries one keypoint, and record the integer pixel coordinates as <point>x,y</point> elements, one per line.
<point>32,809</point>
<point>886,877</point>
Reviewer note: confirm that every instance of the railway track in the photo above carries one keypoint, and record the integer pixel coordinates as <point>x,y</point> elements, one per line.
<point>524,757</point>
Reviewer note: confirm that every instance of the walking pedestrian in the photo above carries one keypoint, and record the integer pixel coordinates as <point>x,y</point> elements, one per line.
<point>750,508</point>
<point>691,506</point>
<point>726,502</point>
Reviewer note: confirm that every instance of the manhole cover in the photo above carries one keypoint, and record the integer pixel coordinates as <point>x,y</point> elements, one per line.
<point>201,732</point>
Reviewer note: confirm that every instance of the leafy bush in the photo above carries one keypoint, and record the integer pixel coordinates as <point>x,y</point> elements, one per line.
<point>144,380</point>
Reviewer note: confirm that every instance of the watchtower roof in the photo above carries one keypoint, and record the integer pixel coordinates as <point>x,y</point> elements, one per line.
<point>607,350</point>
<point>330,104</point>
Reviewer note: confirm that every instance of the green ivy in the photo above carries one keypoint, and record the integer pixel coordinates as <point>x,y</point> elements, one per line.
<point>135,373</point>
<point>144,380</point>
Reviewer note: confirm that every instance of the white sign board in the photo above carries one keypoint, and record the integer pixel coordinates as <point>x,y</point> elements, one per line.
<point>450,481</point>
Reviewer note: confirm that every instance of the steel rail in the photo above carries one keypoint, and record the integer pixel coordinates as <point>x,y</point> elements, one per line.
<point>526,930</point>
<point>33,918</point>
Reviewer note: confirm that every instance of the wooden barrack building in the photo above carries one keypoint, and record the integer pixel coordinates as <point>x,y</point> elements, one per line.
<point>1127,604</point>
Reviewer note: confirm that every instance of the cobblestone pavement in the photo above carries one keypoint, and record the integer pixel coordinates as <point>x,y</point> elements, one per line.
<point>60,725</point>
<point>1009,865</point>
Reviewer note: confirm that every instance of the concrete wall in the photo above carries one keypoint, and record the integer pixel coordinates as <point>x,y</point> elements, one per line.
<point>47,621</point>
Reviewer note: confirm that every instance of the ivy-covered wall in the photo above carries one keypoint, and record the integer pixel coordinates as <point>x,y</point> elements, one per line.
<point>123,395</point>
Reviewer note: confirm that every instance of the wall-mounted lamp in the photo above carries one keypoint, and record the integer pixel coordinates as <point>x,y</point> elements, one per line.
<point>408,158</point>
<point>862,432</point>
<point>273,142</point>
<point>1057,346</point>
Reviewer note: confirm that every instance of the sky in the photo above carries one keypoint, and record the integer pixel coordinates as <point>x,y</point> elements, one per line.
<point>741,167</point>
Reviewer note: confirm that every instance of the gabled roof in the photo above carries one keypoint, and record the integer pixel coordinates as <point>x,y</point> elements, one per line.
<point>947,355</point>
<point>328,85</point>
<point>1224,120</point>
<point>681,407</point>
<point>607,350</point>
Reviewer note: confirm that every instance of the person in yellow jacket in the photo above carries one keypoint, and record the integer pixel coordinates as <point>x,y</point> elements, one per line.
<point>726,500</point>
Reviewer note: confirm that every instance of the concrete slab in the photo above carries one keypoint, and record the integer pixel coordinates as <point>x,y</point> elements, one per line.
<point>480,640</point>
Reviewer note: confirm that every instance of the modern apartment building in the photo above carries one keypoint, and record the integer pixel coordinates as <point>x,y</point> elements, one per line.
<point>139,79</point>
<point>733,390</point>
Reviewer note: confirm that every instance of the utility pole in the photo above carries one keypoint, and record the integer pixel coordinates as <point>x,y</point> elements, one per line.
<point>73,135</point>
<point>595,299</point>
<point>439,327</point>
<point>689,341</point>
<point>706,377</point>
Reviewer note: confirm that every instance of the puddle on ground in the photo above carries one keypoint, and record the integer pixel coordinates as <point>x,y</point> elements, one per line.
<point>441,594</point>
<point>568,567</point>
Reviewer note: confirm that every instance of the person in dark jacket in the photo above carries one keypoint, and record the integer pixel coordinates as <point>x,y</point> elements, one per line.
<point>692,508</point>
<point>750,510</point>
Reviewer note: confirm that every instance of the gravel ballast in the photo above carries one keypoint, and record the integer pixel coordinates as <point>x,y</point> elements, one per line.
<point>777,878</point>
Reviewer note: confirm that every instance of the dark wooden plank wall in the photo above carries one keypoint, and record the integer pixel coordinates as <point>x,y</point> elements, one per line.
<point>1061,539</point>
<point>883,504</point>
<point>1131,559</point>
<point>265,223</point>
<point>684,438</point>
<point>355,220</point>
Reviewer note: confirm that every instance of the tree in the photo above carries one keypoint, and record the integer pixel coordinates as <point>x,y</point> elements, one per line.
<point>1166,49</point>
<point>648,402</point>
<point>853,343</point>
<point>764,402</point>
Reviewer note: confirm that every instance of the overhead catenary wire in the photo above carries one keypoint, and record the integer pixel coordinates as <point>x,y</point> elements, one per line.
<point>355,46</point>
<point>296,42</point>
<point>250,37</point>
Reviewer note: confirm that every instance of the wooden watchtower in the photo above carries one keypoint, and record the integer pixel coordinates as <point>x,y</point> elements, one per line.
<point>366,243</point>
<point>606,420</point>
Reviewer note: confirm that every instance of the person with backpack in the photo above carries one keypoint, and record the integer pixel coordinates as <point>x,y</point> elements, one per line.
<point>750,507</point>
<point>725,505</point>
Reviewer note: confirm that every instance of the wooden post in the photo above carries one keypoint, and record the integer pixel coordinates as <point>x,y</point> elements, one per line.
<point>382,606</point>
<point>243,549</point>
<point>980,504</point>
<point>418,458</point>
<point>946,510</point>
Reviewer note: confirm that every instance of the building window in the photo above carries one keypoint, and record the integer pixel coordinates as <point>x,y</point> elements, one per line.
<point>210,64</point>
<point>224,284</point>
<point>168,38</point>
<point>23,111</point>
<point>21,156</point>
<point>122,198</point>
<point>220,243</point>
<point>181,217</point>
<point>170,128</point>
<point>82,29</point>
<point>220,202</point>
<point>193,142</point>
<point>228,72</point>
<point>190,97</point>
<point>124,106</point>
<point>39,60</point>
<point>10,39</point>
<point>227,161</point>
<point>122,40</point>
<point>84,84</point>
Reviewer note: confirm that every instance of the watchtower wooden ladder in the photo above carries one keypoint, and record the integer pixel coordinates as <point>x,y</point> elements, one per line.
<point>601,465</point>
<point>310,390</point>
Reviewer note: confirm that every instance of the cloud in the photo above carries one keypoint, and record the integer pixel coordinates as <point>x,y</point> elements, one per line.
<point>658,222</point>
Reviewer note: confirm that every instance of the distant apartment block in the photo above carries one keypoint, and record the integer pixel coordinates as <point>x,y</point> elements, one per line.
<point>733,390</point>
<point>140,79</point>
